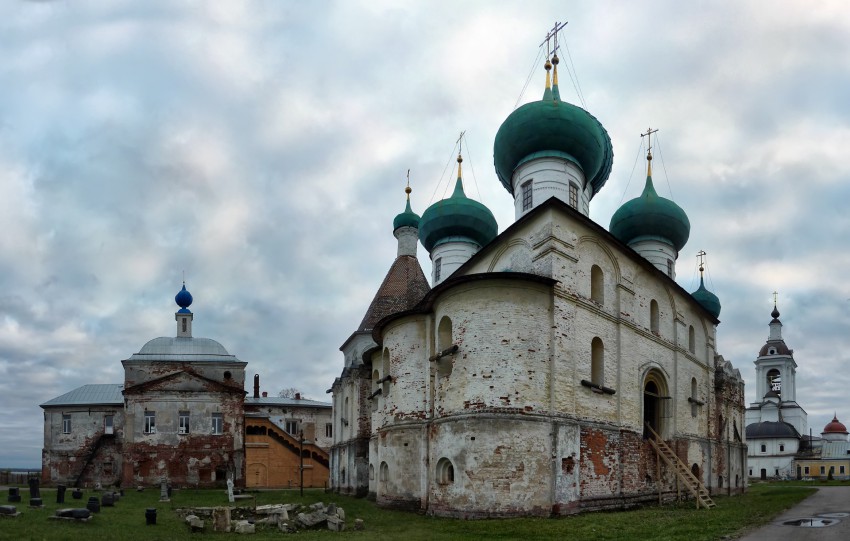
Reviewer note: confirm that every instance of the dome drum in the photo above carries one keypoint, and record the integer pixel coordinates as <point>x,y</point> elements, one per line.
<point>550,174</point>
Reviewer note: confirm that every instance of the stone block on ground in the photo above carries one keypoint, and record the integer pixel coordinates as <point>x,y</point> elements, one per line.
<point>340,513</point>
<point>243,526</point>
<point>315,519</point>
<point>221,519</point>
<point>318,505</point>
<point>335,524</point>
<point>79,513</point>
<point>8,511</point>
<point>358,524</point>
<point>195,523</point>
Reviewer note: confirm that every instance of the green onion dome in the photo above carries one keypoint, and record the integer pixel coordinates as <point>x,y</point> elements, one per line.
<point>651,216</point>
<point>457,218</point>
<point>557,128</point>
<point>707,299</point>
<point>408,218</point>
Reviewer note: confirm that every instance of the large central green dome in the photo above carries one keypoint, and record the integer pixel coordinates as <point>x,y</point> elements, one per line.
<point>553,126</point>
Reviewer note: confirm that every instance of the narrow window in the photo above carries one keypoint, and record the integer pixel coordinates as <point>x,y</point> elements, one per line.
<point>526,195</point>
<point>806,470</point>
<point>66,423</point>
<point>438,264</point>
<point>781,447</point>
<point>329,430</point>
<point>774,381</point>
<point>692,340</point>
<point>573,196</point>
<point>150,422</point>
<point>107,424</point>
<point>694,396</point>
<point>763,448</point>
<point>822,470</point>
<point>385,362</point>
<point>841,470</point>
<point>217,423</point>
<point>291,427</point>
<point>184,323</point>
<point>653,316</point>
<point>670,268</point>
<point>597,361</point>
<point>371,472</point>
<point>444,341</point>
<point>183,422</point>
<point>384,472</point>
<point>597,285</point>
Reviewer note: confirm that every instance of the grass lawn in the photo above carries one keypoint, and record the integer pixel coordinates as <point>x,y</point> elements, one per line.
<point>126,521</point>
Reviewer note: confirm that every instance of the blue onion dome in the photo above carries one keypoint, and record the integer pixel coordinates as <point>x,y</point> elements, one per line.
<point>651,216</point>
<point>707,299</point>
<point>183,300</point>
<point>551,127</point>
<point>408,218</point>
<point>457,218</point>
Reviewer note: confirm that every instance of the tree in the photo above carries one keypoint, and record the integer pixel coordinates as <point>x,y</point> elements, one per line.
<point>290,392</point>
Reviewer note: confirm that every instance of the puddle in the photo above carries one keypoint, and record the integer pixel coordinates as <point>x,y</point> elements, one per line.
<point>810,522</point>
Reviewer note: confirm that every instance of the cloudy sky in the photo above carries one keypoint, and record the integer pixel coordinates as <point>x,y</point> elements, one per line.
<point>262,149</point>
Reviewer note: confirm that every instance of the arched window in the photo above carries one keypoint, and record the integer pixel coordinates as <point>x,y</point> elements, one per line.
<point>346,415</point>
<point>692,340</point>
<point>655,400</point>
<point>445,472</point>
<point>371,472</point>
<point>597,285</point>
<point>653,316</point>
<point>774,381</point>
<point>444,341</point>
<point>597,361</point>
<point>384,472</point>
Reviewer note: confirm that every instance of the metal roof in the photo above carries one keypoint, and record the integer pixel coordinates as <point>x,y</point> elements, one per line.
<point>183,348</point>
<point>771,429</point>
<point>288,402</point>
<point>94,393</point>
<point>835,449</point>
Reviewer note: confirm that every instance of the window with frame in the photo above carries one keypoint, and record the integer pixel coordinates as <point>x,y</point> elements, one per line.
<point>806,470</point>
<point>527,195</point>
<point>438,264</point>
<point>183,422</point>
<point>217,423</point>
<point>822,470</point>
<point>763,448</point>
<point>841,470</point>
<point>670,268</point>
<point>66,423</point>
<point>573,196</point>
<point>781,447</point>
<point>150,422</point>
<point>291,427</point>
<point>329,430</point>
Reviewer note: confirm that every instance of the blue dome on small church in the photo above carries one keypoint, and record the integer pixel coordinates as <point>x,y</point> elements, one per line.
<point>707,299</point>
<point>183,300</point>
<point>408,218</point>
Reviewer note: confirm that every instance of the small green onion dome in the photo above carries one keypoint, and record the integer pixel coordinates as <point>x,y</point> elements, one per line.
<point>707,299</point>
<point>457,218</point>
<point>408,218</point>
<point>653,216</point>
<point>553,127</point>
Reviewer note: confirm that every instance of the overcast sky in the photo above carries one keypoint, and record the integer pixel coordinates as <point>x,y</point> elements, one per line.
<point>262,148</point>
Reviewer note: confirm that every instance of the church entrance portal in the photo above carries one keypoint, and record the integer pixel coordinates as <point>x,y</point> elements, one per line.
<point>654,391</point>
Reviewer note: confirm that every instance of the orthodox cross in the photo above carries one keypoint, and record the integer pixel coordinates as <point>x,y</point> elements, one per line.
<point>648,134</point>
<point>774,297</point>
<point>701,257</point>
<point>552,35</point>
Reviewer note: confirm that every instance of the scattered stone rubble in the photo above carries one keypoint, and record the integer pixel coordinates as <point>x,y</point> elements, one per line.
<point>288,518</point>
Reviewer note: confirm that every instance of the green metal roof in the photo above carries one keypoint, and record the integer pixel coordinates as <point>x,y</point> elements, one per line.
<point>651,215</point>
<point>553,125</point>
<point>95,393</point>
<point>457,216</point>
<point>707,299</point>
<point>408,218</point>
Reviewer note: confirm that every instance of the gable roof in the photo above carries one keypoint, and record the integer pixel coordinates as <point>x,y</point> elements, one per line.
<point>402,289</point>
<point>214,385</point>
<point>91,394</point>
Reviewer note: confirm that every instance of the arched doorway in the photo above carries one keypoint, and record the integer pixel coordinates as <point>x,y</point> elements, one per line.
<point>695,470</point>
<point>654,396</point>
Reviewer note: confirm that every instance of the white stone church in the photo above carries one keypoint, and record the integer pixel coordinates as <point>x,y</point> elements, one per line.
<point>553,368</point>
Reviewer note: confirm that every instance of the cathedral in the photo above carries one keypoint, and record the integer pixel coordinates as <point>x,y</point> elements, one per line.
<point>550,369</point>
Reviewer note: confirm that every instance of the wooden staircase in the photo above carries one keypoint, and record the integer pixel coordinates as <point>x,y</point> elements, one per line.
<point>683,473</point>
